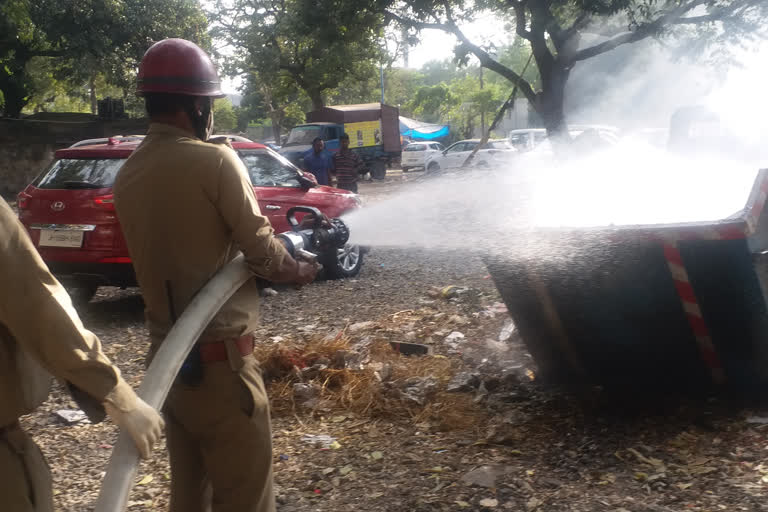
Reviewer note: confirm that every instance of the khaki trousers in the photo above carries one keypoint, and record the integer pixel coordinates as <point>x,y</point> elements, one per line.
<point>25,480</point>
<point>220,442</point>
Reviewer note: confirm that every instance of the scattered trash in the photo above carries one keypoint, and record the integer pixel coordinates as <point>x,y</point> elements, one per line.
<point>417,389</point>
<point>758,420</point>
<point>304,392</point>
<point>533,504</point>
<point>147,479</point>
<point>345,470</point>
<point>462,382</point>
<point>458,320</point>
<point>484,476</point>
<point>276,339</point>
<point>409,349</point>
<point>319,441</point>
<point>454,339</point>
<point>497,308</point>
<point>450,292</point>
<point>360,326</point>
<point>462,504</point>
<point>489,502</point>
<point>377,455</point>
<point>507,330</point>
<point>72,416</point>
<point>283,457</point>
<point>268,292</point>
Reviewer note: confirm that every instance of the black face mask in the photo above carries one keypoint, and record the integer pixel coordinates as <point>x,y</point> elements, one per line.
<point>200,121</point>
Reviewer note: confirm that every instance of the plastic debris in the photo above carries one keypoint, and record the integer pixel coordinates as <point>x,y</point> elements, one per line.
<point>147,479</point>
<point>484,476</point>
<point>319,441</point>
<point>360,326</point>
<point>268,292</point>
<point>72,416</point>
<point>417,389</point>
<point>408,349</point>
<point>454,339</point>
<point>507,331</point>
<point>464,381</point>
<point>489,502</point>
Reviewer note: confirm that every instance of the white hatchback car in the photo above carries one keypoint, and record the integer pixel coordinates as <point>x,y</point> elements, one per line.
<point>496,152</point>
<point>416,154</point>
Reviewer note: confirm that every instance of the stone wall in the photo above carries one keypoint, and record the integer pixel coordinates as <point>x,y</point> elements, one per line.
<point>28,146</point>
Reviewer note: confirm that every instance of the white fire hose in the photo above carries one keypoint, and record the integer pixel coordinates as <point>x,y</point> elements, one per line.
<point>160,375</point>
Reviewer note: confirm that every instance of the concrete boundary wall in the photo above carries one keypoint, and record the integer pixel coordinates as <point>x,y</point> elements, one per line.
<point>27,145</point>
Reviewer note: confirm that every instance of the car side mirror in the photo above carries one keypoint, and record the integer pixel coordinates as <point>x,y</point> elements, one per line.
<point>306,180</point>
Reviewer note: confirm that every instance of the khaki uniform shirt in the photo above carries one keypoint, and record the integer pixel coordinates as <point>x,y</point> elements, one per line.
<point>186,207</point>
<point>40,332</point>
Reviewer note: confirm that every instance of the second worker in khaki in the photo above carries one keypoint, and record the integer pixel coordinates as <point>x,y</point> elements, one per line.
<point>187,207</point>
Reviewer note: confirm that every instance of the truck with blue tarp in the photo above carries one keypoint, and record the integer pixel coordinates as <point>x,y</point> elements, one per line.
<point>373,129</point>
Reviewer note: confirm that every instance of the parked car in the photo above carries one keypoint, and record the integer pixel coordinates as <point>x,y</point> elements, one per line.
<point>272,144</point>
<point>496,152</point>
<point>70,214</point>
<point>415,154</point>
<point>526,139</point>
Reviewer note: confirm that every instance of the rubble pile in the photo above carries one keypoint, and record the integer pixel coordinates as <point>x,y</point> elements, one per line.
<point>415,363</point>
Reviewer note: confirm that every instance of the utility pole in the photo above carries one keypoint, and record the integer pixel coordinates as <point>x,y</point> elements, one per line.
<point>482,110</point>
<point>404,34</point>
<point>381,71</point>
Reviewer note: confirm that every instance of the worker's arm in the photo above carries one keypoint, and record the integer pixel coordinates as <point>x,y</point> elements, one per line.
<point>332,170</point>
<point>251,230</point>
<point>39,315</point>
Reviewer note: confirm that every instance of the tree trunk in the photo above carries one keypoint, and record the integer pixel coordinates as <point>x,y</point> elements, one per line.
<point>15,95</point>
<point>551,103</point>
<point>316,96</point>
<point>277,120</point>
<point>94,103</point>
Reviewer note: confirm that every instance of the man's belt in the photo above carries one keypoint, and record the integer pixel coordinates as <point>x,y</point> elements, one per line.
<point>217,351</point>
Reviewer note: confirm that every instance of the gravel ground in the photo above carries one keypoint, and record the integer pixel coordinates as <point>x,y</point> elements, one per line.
<point>520,448</point>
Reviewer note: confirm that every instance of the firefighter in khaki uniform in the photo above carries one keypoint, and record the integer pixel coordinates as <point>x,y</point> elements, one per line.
<point>40,332</point>
<point>186,207</point>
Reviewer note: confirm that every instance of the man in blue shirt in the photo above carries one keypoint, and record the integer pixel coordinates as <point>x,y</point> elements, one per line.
<point>319,162</point>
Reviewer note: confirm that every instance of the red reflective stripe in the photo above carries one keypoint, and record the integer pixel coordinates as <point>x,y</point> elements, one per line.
<point>685,291</point>
<point>115,260</point>
<point>672,254</point>
<point>710,357</point>
<point>698,325</point>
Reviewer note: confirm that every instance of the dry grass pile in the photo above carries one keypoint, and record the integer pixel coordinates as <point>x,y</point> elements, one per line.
<point>368,378</point>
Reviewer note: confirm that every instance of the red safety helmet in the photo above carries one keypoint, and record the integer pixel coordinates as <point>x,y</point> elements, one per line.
<point>178,66</point>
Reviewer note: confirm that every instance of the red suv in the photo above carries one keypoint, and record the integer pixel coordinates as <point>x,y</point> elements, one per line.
<point>70,214</point>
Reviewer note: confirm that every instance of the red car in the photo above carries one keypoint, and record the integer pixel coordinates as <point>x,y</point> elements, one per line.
<point>70,214</point>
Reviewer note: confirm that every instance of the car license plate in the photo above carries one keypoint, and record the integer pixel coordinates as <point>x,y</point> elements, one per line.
<point>60,238</point>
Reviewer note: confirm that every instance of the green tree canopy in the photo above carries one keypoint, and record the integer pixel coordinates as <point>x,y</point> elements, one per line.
<point>85,38</point>
<point>562,33</point>
<point>317,43</point>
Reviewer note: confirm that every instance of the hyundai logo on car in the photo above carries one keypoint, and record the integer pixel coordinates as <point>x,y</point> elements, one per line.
<point>57,206</point>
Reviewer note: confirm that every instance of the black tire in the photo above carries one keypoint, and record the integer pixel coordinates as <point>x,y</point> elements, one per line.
<point>406,169</point>
<point>344,264</point>
<point>378,170</point>
<point>433,167</point>
<point>81,293</point>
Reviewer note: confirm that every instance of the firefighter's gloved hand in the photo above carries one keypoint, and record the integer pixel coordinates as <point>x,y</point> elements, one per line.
<point>141,422</point>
